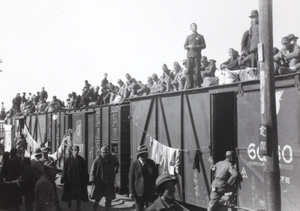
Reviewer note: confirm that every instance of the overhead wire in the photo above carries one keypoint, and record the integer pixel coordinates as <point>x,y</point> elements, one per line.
<point>21,21</point>
<point>39,24</point>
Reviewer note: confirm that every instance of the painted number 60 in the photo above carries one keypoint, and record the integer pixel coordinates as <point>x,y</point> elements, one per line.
<point>286,154</point>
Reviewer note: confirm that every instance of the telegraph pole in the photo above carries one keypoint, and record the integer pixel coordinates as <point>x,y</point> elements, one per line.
<point>268,128</point>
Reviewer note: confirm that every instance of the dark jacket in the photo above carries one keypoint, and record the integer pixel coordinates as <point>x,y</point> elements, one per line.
<point>75,173</point>
<point>199,43</point>
<point>140,184</point>
<point>103,171</point>
<point>158,205</point>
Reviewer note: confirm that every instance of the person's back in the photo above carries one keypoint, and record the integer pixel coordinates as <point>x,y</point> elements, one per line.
<point>44,195</point>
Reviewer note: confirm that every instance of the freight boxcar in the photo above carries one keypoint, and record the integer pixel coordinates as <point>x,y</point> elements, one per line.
<point>207,122</point>
<point>203,123</point>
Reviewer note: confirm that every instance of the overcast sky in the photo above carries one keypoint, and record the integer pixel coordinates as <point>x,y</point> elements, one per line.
<point>60,43</point>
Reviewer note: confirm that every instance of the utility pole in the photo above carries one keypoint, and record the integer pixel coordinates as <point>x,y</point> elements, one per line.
<point>268,128</point>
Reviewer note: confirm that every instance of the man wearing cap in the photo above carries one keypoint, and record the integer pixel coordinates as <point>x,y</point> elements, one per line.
<point>75,172</point>
<point>142,175</point>
<point>44,191</point>
<point>225,175</point>
<point>102,176</point>
<point>194,44</point>
<point>254,37</point>
<point>165,188</point>
<point>288,56</point>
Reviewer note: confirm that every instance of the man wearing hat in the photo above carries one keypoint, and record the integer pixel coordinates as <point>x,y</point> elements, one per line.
<point>165,188</point>
<point>254,37</point>
<point>293,39</point>
<point>75,172</point>
<point>44,191</point>
<point>224,179</point>
<point>102,176</point>
<point>288,57</point>
<point>142,175</point>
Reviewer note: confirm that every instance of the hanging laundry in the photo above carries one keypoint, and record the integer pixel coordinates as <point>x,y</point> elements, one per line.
<point>196,164</point>
<point>174,159</point>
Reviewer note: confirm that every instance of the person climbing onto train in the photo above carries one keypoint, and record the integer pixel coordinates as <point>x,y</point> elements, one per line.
<point>142,175</point>
<point>165,188</point>
<point>194,44</point>
<point>225,175</point>
<point>102,176</point>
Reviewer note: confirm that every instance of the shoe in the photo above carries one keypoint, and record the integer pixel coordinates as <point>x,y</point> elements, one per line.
<point>284,70</point>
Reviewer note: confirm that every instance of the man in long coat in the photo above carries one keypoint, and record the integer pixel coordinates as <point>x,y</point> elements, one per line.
<point>76,175</point>
<point>142,175</point>
<point>102,175</point>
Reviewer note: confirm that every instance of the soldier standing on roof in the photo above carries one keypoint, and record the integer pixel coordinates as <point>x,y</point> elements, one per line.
<point>194,44</point>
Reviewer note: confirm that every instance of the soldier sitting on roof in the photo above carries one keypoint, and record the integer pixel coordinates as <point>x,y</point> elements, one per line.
<point>288,57</point>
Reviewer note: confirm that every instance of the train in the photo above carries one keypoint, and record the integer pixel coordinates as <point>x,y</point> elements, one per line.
<point>203,123</point>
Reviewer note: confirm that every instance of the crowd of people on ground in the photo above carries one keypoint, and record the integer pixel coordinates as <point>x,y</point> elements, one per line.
<point>194,72</point>
<point>34,178</point>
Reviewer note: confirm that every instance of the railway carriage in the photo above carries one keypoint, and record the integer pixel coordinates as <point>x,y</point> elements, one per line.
<point>203,123</point>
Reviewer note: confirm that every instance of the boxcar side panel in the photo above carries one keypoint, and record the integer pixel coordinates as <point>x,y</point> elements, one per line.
<point>196,133</point>
<point>105,134</point>
<point>251,160</point>
<point>143,122</point>
<point>41,128</point>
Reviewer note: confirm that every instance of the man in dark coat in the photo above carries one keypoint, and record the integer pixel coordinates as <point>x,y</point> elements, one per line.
<point>142,175</point>
<point>102,176</point>
<point>165,188</point>
<point>75,172</point>
<point>194,44</point>
<point>11,171</point>
<point>254,37</point>
<point>27,183</point>
<point>44,95</point>
<point>44,193</point>
<point>17,103</point>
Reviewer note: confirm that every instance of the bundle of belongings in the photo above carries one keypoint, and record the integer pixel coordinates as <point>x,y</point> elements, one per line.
<point>231,76</point>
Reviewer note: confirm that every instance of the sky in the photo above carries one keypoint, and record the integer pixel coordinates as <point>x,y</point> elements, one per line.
<point>57,44</point>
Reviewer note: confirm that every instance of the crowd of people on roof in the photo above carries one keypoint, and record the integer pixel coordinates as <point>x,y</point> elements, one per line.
<point>194,72</point>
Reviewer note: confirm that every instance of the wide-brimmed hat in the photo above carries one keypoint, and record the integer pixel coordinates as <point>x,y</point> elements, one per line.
<point>162,179</point>
<point>292,37</point>
<point>284,40</point>
<point>142,149</point>
<point>254,13</point>
<point>212,60</point>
